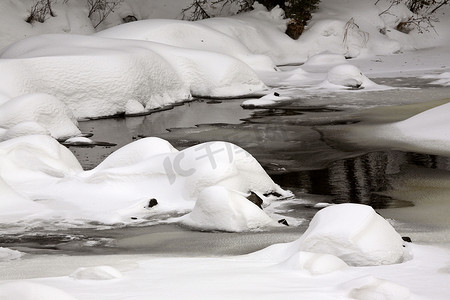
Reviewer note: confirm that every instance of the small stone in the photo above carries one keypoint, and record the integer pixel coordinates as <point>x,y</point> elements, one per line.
<point>152,202</point>
<point>276,94</point>
<point>283,221</point>
<point>133,218</point>
<point>407,239</point>
<point>255,199</point>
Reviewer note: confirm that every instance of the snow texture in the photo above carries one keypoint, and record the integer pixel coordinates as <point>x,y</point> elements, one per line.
<point>9,254</point>
<point>355,233</point>
<point>218,208</point>
<point>314,263</point>
<point>119,189</point>
<point>31,291</point>
<point>37,114</point>
<point>96,273</point>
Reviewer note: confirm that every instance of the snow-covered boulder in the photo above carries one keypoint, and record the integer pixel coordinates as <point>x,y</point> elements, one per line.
<point>96,273</point>
<point>191,35</point>
<point>146,73</point>
<point>28,158</point>
<point>355,233</point>
<point>218,208</point>
<point>9,254</point>
<point>267,100</point>
<point>36,114</point>
<point>370,288</point>
<point>346,75</point>
<point>24,290</point>
<point>314,263</point>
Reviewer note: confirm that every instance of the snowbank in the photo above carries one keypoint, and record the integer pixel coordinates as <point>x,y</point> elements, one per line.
<point>145,74</point>
<point>190,35</point>
<point>35,114</point>
<point>369,287</point>
<point>31,291</point>
<point>267,100</point>
<point>355,233</point>
<point>218,208</point>
<point>121,187</point>
<point>96,273</point>
<point>9,254</point>
<point>314,263</point>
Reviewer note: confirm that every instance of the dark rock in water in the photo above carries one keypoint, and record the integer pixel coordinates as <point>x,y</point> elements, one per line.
<point>276,94</point>
<point>273,194</point>
<point>129,19</point>
<point>152,202</point>
<point>407,239</point>
<point>255,199</point>
<point>133,218</point>
<point>283,221</point>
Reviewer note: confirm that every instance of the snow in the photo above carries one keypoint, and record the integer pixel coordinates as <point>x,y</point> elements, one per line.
<point>9,254</point>
<point>31,291</point>
<point>369,287</point>
<point>96,273</point>
<point>218,208</point>
<point>190,35</point>
<point>355,233</point>
<point>148,73</point>
<point>267,100</point>
<point>49,81</point>
<point>37,114</point>
<point>119,189</point>
<point>314,263</point>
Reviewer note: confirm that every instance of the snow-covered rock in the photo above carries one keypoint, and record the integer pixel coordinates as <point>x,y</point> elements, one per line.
<point>148,73</point>
<point>96,273</point>
<point>314,263</point>
<point>346,75</point>
<point>269,99</point>
<point>37,114</point>
<point>355,233</point>
<point>370,288</point>
<point>120,188</point>
<point>24,290</point>
<point>9,254</point>
<point>218,208</point>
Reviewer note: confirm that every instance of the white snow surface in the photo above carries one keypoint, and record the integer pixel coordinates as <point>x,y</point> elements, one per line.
<point>218,208</point>
<point>31,291</point>
<point>119,189</point>
<point>9,254</point>
<point>96,273</point>
<point>353,232</point>
<point>125,71</point>
<point>36,114</point>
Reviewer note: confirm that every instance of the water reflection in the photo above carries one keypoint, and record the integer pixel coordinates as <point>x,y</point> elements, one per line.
<point>361,179</point>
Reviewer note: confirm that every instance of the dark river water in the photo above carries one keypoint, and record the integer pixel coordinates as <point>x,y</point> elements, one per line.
<point>292,141</point>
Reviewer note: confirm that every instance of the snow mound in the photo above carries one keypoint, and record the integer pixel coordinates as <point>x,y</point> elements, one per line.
<point>218,208</point>
<point>96,273</point>
<point>369,288</point>
<point>9,254</point>
<point>269,99</point>
<point>121,188</point>
<point>37,114</point>
<point>127,73</point>
<point>191,35</point>
<point>355,233</point>
<point>346,75</point>
<point>31,291</point>
<point>314,263</point>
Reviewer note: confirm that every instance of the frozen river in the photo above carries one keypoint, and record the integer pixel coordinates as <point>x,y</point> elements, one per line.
<point>301,143</point>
